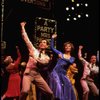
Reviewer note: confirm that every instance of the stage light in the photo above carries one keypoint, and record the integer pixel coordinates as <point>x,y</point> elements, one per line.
<point>68,19</point>
<point>77,4</point>
<point>67,8</point>
<point>87,15</point>
<point>74,18</point>
<point>72,0</point>
<point>79,16</point>
<point>86,4</point>
<point>72,8</point>
<point>77,11</point>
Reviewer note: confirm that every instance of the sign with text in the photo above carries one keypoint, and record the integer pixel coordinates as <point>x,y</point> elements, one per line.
<point>45,4</point>
<point>44,28</point>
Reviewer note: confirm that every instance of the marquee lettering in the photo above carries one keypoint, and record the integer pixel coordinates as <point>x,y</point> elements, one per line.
<point>45,29</point>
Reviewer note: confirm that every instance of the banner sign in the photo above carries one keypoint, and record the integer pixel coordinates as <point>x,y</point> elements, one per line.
<point>45,4</point>
<point>44,28</point>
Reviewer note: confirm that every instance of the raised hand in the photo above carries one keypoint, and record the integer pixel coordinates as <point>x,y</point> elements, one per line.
<point>80,47</point>
<point>23,24</point>
<point>54,35</point>
<point>17,47</point>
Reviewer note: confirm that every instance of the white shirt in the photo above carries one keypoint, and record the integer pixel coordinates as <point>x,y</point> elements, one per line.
<point>88,68</point>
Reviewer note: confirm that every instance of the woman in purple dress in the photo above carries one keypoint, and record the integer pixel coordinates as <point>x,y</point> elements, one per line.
<point>59,82</point>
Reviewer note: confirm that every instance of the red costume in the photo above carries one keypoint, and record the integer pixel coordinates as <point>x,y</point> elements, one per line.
<point>14,81</point>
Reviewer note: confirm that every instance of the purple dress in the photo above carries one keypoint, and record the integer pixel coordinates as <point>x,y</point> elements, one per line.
<point>59,83</point>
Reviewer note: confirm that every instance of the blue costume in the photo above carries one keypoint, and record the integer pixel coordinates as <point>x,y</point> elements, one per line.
<point>59,83</point>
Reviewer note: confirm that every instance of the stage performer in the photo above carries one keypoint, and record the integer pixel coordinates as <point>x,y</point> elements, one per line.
<point>37,60</point>
<point>59,82</point>
<point>90,70</point>
<point>14,82</point>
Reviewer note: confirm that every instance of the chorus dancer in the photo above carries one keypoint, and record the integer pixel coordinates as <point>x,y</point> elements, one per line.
<point>70,72</point>
<point>31,73</point>
<point>14,82</point>
<point>89,72</point>
<point>59,82</point>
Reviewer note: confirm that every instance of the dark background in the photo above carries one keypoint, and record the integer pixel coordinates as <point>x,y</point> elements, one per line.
<point>84,31</point>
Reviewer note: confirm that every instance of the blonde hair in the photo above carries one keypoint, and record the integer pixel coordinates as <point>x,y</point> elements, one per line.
<point>7,60</point>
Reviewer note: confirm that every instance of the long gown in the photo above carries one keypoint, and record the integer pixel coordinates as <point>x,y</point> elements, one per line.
<point>59,83</point>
